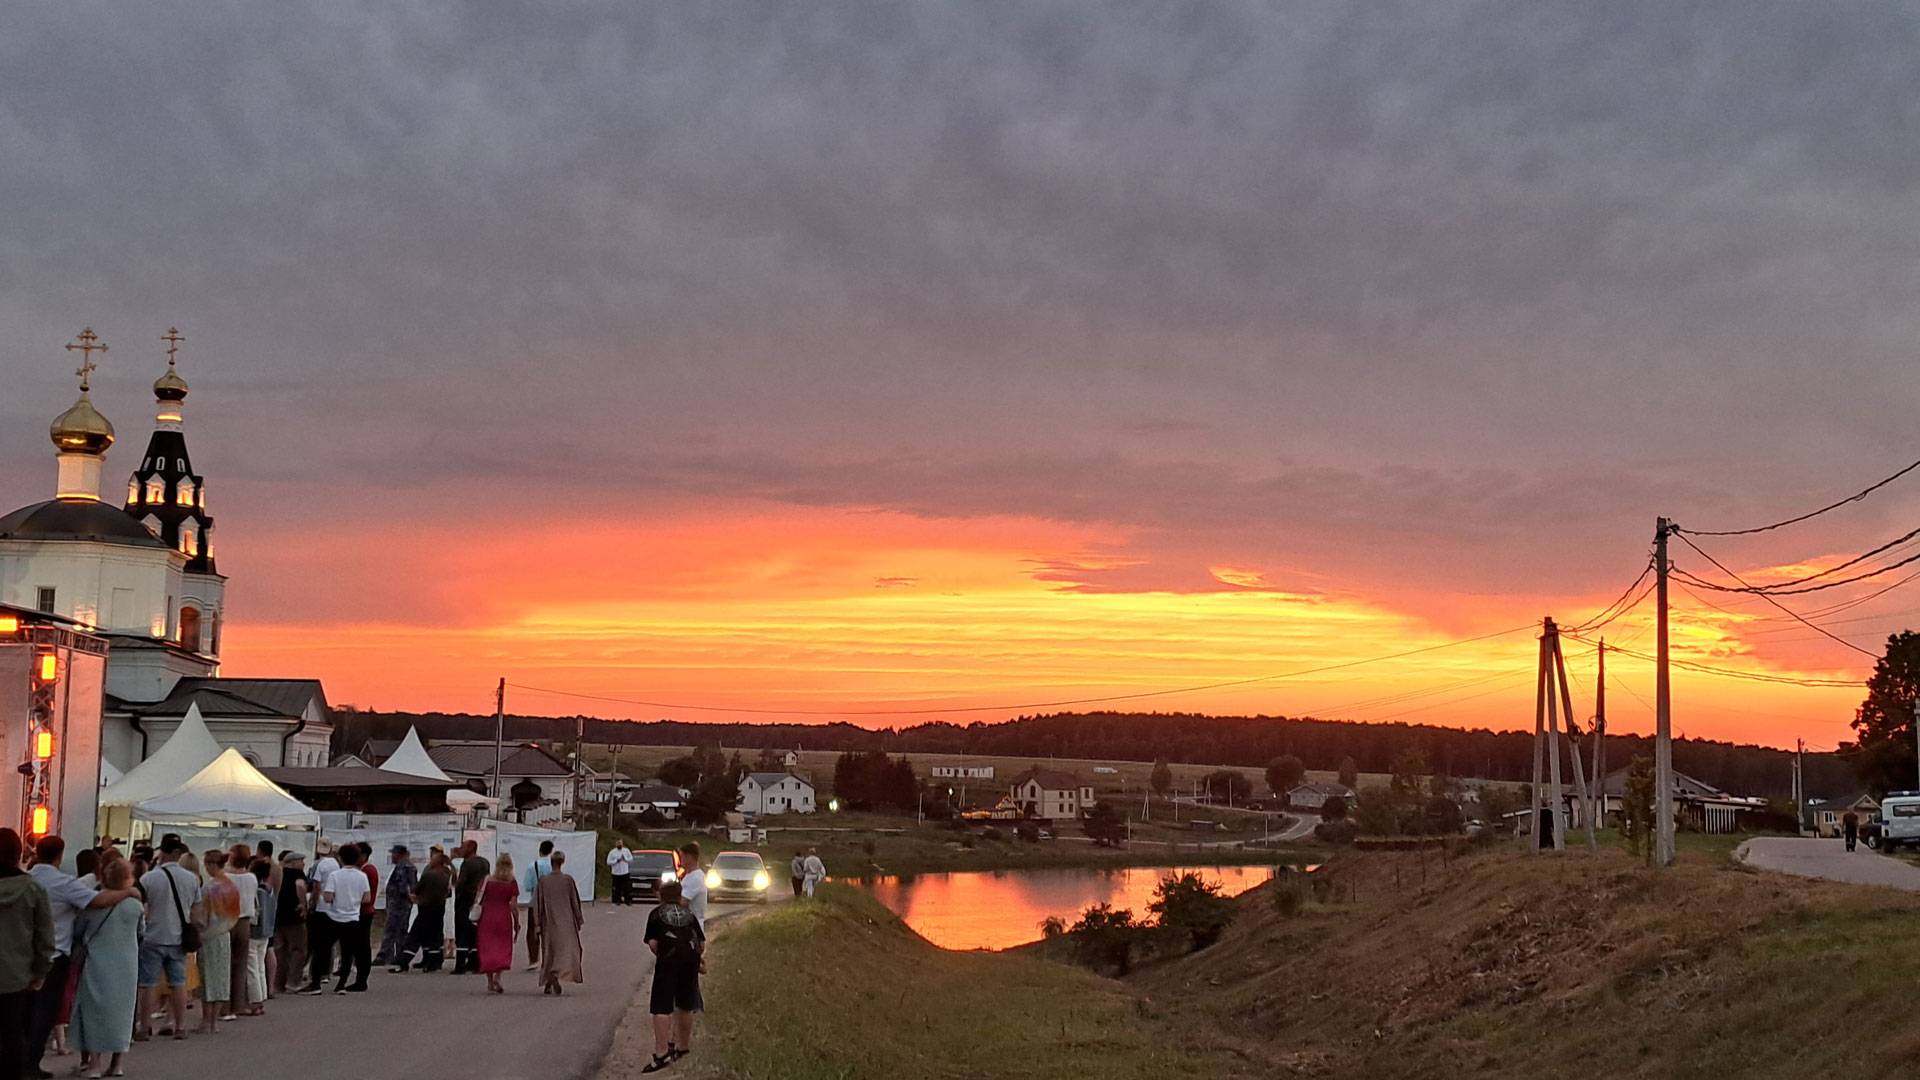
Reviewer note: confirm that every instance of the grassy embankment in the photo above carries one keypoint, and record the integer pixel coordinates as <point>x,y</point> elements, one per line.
<point>1494,965</point>
<point>839,988</point>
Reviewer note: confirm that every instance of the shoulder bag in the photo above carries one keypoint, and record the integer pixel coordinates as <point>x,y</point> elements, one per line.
<point>189,933</point>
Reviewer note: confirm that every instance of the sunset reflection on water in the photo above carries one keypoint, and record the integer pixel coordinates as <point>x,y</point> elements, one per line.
<point>997,909</point>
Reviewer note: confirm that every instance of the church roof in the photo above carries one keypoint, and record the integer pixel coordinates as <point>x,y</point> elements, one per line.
<point>76,519</point>
<point>239,697</point>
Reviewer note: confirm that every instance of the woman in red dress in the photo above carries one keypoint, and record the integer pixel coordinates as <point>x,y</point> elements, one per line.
<point>499,922</point>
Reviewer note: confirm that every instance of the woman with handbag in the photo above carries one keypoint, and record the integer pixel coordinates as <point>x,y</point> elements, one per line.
<point>106,957</point>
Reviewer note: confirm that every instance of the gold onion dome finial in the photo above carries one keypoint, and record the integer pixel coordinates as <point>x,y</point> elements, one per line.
<point>171,387</point>
<point>81,429</point>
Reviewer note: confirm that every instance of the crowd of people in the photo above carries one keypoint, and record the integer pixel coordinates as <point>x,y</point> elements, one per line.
<point>90,961</point>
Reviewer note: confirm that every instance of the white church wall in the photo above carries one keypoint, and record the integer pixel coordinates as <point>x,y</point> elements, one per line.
<point>108,586</point>
<point>149,674</point>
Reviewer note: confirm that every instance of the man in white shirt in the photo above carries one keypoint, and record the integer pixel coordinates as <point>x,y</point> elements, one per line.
<point>339,911</point>
<point>620,869</point>
<point>171,893</point>
<point>529,884</point>
<point>693,882</point>
<point>68,896</point>
<point>816,870</point>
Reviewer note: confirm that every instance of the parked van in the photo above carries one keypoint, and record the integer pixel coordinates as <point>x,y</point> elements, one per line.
<point>1900,820</point>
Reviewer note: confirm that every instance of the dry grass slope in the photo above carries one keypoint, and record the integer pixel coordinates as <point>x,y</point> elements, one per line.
<point>1503,965</point>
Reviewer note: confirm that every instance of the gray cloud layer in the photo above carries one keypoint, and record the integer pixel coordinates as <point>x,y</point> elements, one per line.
<point>1242,268</point>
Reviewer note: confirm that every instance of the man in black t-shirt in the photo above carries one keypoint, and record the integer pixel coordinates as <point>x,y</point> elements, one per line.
<point>466,936</point>
<point>677,941</point>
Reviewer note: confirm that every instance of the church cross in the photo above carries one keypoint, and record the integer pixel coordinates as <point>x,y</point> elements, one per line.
<point>88,344</point>
<point>173,339</point>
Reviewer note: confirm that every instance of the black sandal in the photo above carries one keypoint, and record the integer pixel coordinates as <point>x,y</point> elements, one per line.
<point>659,1062</point>
<point>678,1054</point>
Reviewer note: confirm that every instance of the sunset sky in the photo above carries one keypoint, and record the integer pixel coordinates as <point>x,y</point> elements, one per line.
<point>860,359</point>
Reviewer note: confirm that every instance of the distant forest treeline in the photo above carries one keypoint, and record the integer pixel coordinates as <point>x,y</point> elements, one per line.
<point>1245,741</point>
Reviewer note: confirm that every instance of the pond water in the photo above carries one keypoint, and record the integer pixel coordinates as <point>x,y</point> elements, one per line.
<point>997,909</point>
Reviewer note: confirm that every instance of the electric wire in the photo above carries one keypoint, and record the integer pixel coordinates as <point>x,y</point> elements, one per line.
<point>1023,706</point>
<point>1853,498</point>
<point>1598,620</point>
<point>1730,673</point>
<point>1784,609</point>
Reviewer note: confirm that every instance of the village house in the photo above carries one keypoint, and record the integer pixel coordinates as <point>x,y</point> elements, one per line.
<point>1312,798</point>
<point>775,793</point>
<point>530,778</point>
<point>1054,796</point>
<point>1822,817</point>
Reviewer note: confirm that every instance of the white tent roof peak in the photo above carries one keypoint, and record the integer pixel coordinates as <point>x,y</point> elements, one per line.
<point>411,759</point>
<point>188,750</point>
<point>232,791</point>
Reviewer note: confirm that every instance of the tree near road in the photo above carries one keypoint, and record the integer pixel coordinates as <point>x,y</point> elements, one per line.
<point>1104,825</point>
<point>1229,786</point>
<point>1284,773</point>
<point>1349,774</point>
<point>1884,720</point>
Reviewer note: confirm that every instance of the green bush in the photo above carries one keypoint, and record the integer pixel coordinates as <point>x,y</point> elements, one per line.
<point>1191,905</point>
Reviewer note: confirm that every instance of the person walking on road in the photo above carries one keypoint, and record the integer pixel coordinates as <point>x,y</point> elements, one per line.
<point>799,872</point>
<point>103,1001</point>
<point>529,885</point>
<point>556,907</point>
<point>816,871</point>
<point>339,908</point>
<point>1850,825</point>
<point>678,943</point>
<point>499,923</point>
<point>620,872</point>
<point>472,879</point>
<point>173,894</point>
<point>430,911</point>
<point>402,878</point>
<point>26,952</point>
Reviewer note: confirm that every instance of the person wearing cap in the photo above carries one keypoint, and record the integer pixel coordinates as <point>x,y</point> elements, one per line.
<point>402,877</point>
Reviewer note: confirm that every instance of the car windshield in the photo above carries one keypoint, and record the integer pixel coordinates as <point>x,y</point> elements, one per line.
<point>653,860</point>
<point>737,862</point>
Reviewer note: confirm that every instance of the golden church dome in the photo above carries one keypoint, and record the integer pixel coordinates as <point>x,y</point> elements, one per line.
<point>81,429</point>
<point>170,387</point>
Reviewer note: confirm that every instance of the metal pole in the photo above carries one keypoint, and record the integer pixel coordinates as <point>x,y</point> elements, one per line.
<point>1916,740</point>
<point>499,735</point>
<point>1539,729</point>
<point>613,785</point>
<point>1663,710</point>
<point>1555,796</point>
<point>1600,734</point>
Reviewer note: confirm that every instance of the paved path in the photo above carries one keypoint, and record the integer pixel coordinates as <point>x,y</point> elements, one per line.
<point>1828,859</point>
<point>415,1026</point>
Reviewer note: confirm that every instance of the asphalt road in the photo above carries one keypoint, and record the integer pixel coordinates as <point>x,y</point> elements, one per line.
<point>415,1026</point>
<point>1829,860</point>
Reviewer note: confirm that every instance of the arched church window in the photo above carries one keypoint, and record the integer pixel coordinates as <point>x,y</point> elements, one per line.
<point>133,490</point>
<point>185,495</point>
<point>156,490</point>
<point>180,464</point>
<point>189,539</point>
<point>201,494</point>
<point>190,628</point>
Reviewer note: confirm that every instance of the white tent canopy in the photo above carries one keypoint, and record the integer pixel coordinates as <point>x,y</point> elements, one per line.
<point>187,751</point>
<point>411,758</point>
<point>230,790</point>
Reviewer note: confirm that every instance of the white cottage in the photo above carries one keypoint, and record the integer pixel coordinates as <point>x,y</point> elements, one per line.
<point>775,793</point>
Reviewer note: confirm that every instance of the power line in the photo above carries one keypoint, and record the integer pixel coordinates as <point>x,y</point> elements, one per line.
<point>1024,706</point>
<point>1709,669</point>
<point>1853,498</point>
<point>1786,610</point>
<point>1766,590</point>
<point>1597,620</point>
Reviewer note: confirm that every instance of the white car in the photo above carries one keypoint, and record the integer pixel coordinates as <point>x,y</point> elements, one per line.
<point>1900,820</point>
<point>738,875</point>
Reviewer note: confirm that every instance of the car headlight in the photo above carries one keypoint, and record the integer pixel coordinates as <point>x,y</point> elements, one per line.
<point>669,877</point>
<point>713,879</point>
<point>761,880</point>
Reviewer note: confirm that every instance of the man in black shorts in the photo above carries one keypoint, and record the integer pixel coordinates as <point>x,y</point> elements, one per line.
<point>674,935</point>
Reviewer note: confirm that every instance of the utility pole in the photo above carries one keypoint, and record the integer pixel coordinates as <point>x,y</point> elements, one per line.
<point>1600,734</point>
<point>1799,783</point>
<point>499,735</point>
<point>1556,802</point>
<point>1916,739</point>
<point>1662,709</point>
<point>1539,733</point>
<point>613,785</point>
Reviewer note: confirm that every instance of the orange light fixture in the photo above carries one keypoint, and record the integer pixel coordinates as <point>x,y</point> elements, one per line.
<point>39,820</point>
<point>42,745</point>
<point>49,668</point>
<point>9,624</point>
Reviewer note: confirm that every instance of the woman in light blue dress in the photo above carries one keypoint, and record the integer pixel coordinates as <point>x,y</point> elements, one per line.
<point>103,1001</point>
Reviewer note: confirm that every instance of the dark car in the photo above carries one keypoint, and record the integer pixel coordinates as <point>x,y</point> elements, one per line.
<point>738,875</point>
<point>650,869</point>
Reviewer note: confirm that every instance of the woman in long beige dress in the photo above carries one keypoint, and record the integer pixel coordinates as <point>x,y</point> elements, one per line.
<point>556,905</point>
